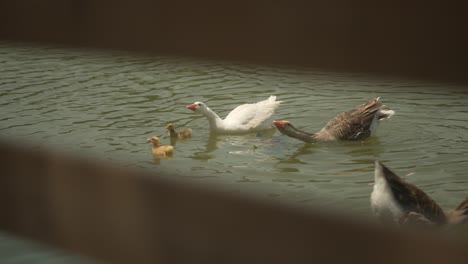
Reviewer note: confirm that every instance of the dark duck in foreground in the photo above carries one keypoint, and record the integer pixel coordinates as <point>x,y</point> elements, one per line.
<point>355,124</point>
<point>396,201</point>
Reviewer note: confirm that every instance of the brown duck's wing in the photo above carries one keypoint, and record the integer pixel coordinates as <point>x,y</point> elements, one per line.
<point>413,218</point>
<point>187,132</point>
<point>354,124</point>
<point>167,148</point>
<point>184,133</point>
<point>412,199</point>
<point>463,206</point>
<point>459,214</point>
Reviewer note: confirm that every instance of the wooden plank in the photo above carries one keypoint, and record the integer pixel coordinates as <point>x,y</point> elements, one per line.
<point>125,216</point>
<point>418,39</point>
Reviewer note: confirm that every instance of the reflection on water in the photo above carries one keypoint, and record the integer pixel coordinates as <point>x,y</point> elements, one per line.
<point>246,144</point>
<point>106,106</point>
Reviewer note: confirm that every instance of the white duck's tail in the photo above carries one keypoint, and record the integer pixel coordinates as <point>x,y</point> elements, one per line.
<point>272,100</point>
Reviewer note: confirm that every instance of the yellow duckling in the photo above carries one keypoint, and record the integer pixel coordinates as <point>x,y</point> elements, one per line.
<point>186,133</point>
<point>160,150</point>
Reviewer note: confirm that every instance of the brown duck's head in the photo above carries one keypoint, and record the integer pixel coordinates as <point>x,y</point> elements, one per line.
<point>170,126</point>
<point>284,126</point>
<point>154,140</point>
<point>281,123</point>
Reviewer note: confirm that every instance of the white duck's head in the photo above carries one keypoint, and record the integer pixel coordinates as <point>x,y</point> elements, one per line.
<point>197,107</point>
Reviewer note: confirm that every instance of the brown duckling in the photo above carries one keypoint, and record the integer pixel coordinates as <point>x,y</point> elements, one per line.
<point>160,150</point>
<point>186,133</point>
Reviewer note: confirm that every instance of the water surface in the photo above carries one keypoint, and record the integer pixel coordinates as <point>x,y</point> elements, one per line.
<point>105,105</point>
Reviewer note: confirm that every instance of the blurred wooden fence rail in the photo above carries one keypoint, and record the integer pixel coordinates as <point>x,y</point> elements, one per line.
<point>126,216</point>
<point>416,38</point>
<point>123,216</point>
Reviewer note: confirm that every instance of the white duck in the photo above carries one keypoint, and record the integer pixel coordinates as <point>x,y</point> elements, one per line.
<point>244,118</point>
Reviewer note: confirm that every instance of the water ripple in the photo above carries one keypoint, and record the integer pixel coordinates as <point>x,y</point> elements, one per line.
<point>110,103</point>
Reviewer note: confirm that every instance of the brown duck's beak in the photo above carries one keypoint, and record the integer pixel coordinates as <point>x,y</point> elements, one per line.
<point>280,123</point>
<point>192,107</point>
<point>148,140</point>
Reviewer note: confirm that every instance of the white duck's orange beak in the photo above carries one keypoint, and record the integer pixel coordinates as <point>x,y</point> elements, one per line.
<point>280,123</point>
<point>192,107</point>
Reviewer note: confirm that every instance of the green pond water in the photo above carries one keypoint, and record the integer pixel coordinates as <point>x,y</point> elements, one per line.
<point>105,105</point>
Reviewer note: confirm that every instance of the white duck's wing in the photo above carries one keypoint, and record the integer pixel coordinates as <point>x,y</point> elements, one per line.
<point>255,116</point>
<point>241,115</point>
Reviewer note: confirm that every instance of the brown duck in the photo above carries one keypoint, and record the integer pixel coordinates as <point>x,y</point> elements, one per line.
<point>160,150</point>
<point>355,124</point>
<point>185,133</point>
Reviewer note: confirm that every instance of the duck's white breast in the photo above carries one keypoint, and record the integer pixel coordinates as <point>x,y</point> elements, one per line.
<point>383,202</point>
